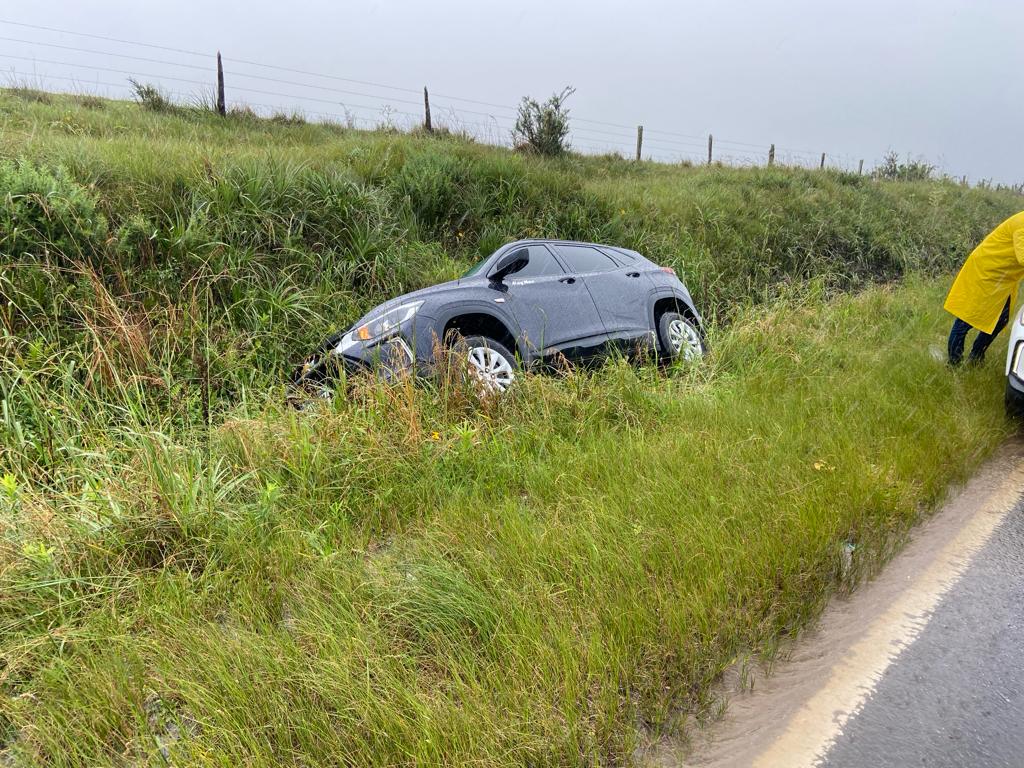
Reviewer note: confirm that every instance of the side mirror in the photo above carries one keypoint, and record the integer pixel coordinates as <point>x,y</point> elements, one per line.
<point>509,264</point>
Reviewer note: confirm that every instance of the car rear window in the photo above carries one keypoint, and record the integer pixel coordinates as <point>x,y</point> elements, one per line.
<point>583,258</point>
<point>621,256</point>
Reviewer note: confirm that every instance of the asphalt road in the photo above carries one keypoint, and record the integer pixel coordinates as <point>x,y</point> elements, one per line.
<point>955,696</point>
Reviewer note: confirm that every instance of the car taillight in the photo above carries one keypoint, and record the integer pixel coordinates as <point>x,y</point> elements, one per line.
<point>669,270</point>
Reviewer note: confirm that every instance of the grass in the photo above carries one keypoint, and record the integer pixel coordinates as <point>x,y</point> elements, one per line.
<point>190,571</point>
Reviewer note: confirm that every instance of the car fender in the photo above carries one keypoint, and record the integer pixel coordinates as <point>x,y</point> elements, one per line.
<point>682,295</point>
<point>494,306</point>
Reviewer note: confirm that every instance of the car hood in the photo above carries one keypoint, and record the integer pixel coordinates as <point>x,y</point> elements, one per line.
<point>405,298</point>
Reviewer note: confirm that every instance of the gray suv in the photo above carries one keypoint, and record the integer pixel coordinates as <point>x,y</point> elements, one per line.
<point>530,301</point>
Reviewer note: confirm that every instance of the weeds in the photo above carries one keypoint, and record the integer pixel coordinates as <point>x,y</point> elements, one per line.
<point>910,170</point>
<point>28,93</point>
<point>89,101</point>
<point>150,96</point>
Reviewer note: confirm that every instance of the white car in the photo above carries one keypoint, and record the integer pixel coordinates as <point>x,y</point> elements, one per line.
<point>1015,367</point>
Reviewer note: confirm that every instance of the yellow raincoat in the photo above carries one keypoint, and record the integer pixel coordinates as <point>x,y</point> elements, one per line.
<point>989,276</point>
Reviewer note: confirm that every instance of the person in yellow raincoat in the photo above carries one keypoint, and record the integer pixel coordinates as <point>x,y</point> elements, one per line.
<point>983,292</point>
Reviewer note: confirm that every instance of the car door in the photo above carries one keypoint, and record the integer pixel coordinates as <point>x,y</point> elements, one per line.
<point>620,291</point>
<point>555,311</point>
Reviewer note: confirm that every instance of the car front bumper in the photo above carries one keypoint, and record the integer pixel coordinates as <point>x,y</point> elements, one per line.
<point>388,358</point>
<point>1015,367</point>
<point>1014,382</point>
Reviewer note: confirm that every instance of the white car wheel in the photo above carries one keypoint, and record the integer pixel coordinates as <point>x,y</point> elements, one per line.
<point>491,369</point>
<point>682,338</point>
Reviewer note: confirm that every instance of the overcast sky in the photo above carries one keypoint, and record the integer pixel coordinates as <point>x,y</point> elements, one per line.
<point>940,79</point>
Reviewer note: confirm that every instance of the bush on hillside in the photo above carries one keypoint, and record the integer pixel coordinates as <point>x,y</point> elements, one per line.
<point>27,92</point>
<point>489,200</point>
<point>89,101</point>
<point>544,128</point>
<point>893,169</point>
<point>150,96</point>
<point>434,186</point>
<point>46,213</point>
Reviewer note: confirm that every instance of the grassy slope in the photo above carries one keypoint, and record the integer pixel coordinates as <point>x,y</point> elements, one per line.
<point>412,576</point>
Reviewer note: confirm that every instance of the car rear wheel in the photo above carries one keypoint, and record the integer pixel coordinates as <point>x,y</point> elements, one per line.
<point>490,365</point>
<point>679,337</point>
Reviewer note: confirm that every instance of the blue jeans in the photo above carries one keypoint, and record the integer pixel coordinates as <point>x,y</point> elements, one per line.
<point>958,335</point>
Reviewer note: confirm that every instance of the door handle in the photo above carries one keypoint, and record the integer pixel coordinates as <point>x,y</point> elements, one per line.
<point>632,274</point>
<point>569,280</point>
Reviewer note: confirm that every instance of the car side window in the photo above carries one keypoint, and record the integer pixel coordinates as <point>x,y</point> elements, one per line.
<point>621,256</point>
<point>583,258</point>
<point>541,264</point>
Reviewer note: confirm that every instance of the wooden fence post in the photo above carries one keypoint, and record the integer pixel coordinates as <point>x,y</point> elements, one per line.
<point>426,111</point>
<point>771,155</point>
<point>222,107</point>
<point>711,141</point>
<point>860,168</point>
<point>822,166</point>
<point>639,141</point>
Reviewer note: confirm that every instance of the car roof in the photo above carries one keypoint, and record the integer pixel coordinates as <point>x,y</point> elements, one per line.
<point>557,242</point>
<point>554,241</point>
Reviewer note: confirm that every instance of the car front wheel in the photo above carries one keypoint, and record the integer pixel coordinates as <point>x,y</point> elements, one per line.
<point>679,337</point>
<point>490,365</point>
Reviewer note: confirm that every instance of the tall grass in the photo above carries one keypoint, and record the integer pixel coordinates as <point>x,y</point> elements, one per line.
<point>191,571</point>
<point>405,577</point>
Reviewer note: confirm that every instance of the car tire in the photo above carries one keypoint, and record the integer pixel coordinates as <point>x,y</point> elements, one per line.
<point>1014,401</point>
<point>680,338</point>
<point>491,365</point>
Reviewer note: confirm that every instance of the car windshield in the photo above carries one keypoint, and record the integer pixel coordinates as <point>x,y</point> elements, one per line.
<point>475,269</point>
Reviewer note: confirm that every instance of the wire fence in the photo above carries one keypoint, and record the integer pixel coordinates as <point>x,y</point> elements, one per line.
<point>49,60</point>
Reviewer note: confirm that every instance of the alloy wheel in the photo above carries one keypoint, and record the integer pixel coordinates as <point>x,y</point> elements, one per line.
<point>491,369</point>
<point>685,340</point>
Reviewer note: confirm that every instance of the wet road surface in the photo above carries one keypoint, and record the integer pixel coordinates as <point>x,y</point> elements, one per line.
<point>955,697</point>
<point>922,666</point>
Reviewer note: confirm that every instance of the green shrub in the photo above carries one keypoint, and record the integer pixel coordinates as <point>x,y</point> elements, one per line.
<point>544,128</point>
<point>434,186</point>
<point>150,96</point>
<point>909,170</point>
<point>29,93</point>
<point>46,213</point>
<point>135,239</point>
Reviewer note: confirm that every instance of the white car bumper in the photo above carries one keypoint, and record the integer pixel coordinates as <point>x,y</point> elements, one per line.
<point>1015,366</point>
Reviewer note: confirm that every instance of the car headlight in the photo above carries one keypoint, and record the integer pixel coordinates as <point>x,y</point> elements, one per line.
<point>1016,362</point>
<point>387,324</point>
